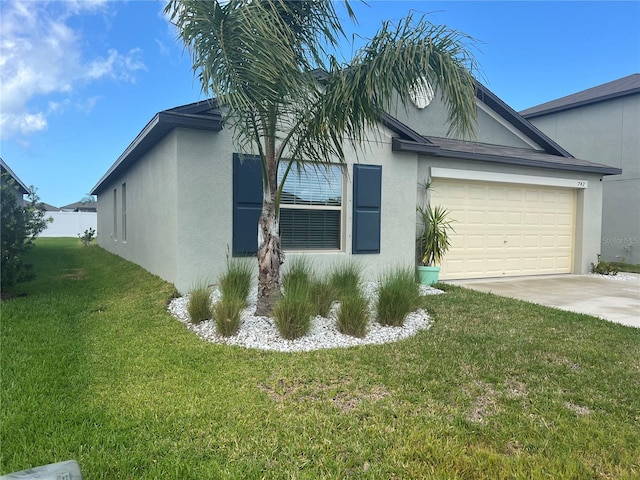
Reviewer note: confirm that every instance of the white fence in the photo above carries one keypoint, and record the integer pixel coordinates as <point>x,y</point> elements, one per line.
<point>69,224</point>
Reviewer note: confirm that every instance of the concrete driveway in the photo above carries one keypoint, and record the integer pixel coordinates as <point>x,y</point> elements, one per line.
<point>612,298</point>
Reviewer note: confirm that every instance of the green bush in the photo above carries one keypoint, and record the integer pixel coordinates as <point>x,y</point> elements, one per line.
<point>398,295</point>
<point>236,282</point>
<point>604,268</point>
<point>19,226</point>
<point>292,313</point>
<point>298,275</point>
<point>353,316</point>
<point>199,306</point>
<point>322,297</point>
<point>227,315</point>
<point>345,279</point>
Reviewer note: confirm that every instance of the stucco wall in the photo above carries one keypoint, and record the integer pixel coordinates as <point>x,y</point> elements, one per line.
<point>152,227</point>
<point>204,205</point>
<point>490,128</point>
<point>204,199</point>
<point>588,201</point>
<point>608,133</point>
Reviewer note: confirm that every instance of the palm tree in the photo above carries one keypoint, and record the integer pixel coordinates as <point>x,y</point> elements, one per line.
<point>261,60</point>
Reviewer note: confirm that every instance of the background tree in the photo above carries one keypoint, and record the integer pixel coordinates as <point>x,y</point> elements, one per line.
<point>261,60</point>
<point>20,224</point>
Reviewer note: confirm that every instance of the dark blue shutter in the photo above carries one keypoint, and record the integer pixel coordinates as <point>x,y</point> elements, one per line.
<point>367,189</point>
<point>247,204</point>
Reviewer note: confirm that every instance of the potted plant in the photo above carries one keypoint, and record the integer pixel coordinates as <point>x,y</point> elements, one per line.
<point>433,242</point>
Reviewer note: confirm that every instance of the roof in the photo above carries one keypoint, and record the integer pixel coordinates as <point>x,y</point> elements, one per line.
<point>79,207</point>
<point>49,208</point>
<point>450,148</point>
<point>205,115</point>
<point>553,155</point>
<point>5,169</point>
<point>608,91</point>
<point>201,115</point>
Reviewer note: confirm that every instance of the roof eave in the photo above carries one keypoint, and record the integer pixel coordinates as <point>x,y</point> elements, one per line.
<point>22,188</point>
<point>519,122</point>
<point>401,145</point>
<point>535,113</point>
<point>159,126</point>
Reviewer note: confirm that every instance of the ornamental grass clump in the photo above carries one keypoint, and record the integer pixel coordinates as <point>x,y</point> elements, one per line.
<point>398,295</point>
<point>199,306</point>
<point>227,315</point>
<point>234,288</point>
<point>236,282</point>
<point>345,279</point>
<point>292,313</point>
<point>322,297</point>
<point>298,276</point>
<point>353,316</point>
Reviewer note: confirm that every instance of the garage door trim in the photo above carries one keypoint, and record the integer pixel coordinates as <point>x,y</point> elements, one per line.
<point>476,175</point>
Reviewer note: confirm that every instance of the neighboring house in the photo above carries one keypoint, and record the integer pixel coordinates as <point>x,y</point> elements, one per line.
<point>49,208</point>
<point>80,207</point>
<point>181,196</point>
<point>21,188</point>
<point>602,124</point>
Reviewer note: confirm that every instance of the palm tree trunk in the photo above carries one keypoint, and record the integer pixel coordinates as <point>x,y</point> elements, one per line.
<point>270,255</point>
<point>269,258</point>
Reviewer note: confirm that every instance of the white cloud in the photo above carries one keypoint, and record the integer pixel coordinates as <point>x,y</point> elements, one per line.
<point>41,55</point>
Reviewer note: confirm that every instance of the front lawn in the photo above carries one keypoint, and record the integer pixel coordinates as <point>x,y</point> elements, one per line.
<point>95,369</point>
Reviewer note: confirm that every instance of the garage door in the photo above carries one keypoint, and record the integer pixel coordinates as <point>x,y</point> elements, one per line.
<point>504,229</point>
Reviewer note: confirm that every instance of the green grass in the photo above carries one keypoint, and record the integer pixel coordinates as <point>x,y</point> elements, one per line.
<point>292,313</point>
<point>199,306</point>
<point>94,368</point>
<point>353,316</point>
<point>235,283</point>
<point>322,296</point>
<point>398,296</point>
<point>345,278</point>
<point>226,313</point>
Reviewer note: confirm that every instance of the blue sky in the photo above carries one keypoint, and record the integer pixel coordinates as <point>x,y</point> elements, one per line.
<point>80,79</point>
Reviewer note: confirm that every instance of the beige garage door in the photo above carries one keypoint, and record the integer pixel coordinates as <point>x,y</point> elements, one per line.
<point>506,229</point>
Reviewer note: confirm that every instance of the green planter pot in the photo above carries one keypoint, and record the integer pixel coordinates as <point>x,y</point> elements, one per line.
<point>428,275</point>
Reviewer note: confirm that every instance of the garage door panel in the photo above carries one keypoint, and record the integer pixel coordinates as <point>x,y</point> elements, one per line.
<point>506,229</point>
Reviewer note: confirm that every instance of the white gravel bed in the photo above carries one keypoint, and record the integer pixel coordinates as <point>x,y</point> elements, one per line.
<point>261,333</point>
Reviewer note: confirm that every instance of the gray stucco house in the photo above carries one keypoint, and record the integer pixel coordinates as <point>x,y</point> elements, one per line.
<point>602,124</point>
<point>181,196</point>
<point>21,188</point>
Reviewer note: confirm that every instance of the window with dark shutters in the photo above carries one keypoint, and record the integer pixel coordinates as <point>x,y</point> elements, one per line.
<point>311,207</point>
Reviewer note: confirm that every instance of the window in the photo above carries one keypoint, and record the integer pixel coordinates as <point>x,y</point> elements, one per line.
<point>311,208</point>
<point>124,212</point>
<point>115,214</point>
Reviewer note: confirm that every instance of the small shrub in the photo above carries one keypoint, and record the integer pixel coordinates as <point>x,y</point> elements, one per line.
<point>236,282</point>
<point>353,316</point>
<point>298,275</point>
<point>322,297</point>
<point>292,314</point>
<point>87,237</point>
<point>227,315</point>
<point>604,268</point>
<point>199,306</point>
<point>293,317</point>
<point>345,279</point>
<point>399,295</point>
